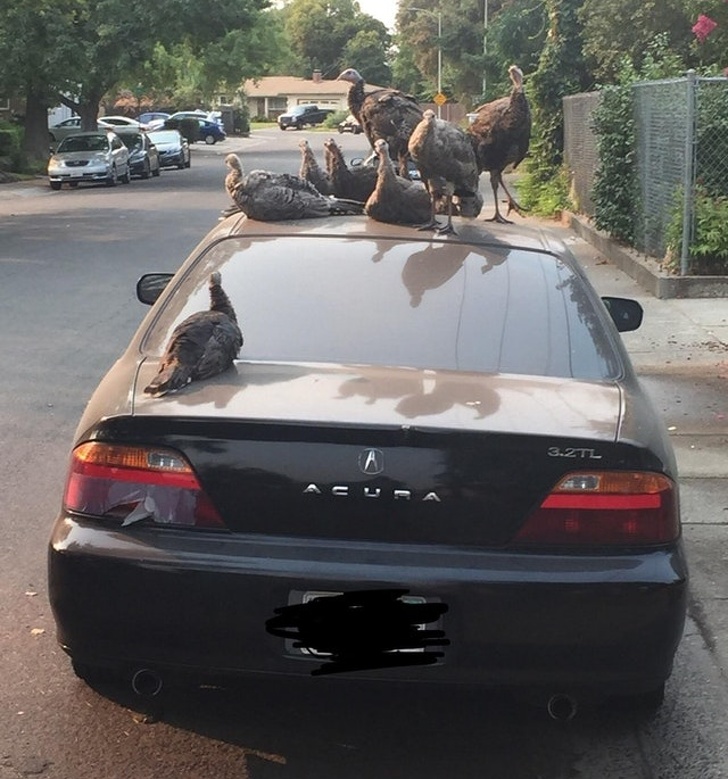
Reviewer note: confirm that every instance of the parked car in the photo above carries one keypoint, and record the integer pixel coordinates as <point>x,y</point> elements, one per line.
<point>350,125</point>
<point>174,150</point>
<point>123,122</point>
<point>302,116</point>
<point>89,157</point>
<point>211,132</point>
<point>153,119</point>
<point>143,154</point>
<point>463,483</point>
<point>58,132</point>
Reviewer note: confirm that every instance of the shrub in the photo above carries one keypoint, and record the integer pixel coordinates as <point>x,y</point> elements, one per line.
<point>615,191</point>
<point>544,196</point>
<point>708,250</point>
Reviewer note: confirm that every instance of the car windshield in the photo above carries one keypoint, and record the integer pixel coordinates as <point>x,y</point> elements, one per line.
<point>84,143</point>
<point>452,306</point>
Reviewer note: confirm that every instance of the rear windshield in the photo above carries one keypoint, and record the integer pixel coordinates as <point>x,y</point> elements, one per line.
<point>419,304</point>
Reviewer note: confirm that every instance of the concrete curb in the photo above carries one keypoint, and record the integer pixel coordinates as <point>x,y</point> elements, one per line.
<point>646,271</point>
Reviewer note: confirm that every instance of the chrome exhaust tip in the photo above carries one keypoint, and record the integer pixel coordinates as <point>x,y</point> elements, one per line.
<point>561,707</point>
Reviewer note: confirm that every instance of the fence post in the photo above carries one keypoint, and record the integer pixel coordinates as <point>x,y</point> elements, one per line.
<point>688,173</point>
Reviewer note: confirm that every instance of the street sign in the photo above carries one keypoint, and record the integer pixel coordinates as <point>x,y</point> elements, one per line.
<point>439,99</point>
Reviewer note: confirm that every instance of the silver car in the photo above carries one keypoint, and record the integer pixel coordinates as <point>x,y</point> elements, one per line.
<point>89,157</point>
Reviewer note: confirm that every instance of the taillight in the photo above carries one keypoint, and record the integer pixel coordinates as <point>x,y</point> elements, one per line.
<point>605,507</point>
<point>134,483</point>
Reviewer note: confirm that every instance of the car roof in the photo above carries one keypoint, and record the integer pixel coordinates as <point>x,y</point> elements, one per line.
<point>86,133</point>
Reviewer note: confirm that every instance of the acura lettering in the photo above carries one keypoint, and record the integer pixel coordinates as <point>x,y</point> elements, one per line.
<point>345,491</point>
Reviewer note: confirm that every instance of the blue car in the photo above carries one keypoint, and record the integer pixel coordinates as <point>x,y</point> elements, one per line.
<point>211,132</point>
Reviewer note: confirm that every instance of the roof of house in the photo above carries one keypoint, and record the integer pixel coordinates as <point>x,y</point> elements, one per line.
<point>280,86</point>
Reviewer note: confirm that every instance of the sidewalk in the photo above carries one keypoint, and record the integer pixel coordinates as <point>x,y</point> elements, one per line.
<point>681,355</point>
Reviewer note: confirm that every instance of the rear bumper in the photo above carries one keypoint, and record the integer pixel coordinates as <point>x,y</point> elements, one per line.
<point>203,602</point>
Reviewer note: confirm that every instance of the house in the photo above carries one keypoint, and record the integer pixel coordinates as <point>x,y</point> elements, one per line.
<point>272,96</point>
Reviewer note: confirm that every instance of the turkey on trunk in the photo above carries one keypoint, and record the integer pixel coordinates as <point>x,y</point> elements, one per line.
<point>500,134</point>
<point>201,346</point>
<point>312,171</point>
<point>273,197</point>
<point>446,161</point>
<point>351,183</point>
<point>385,114</point>
<point>396,200</point>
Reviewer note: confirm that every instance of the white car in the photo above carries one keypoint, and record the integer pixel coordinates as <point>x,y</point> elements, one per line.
<point>113,122</point>
<point>89,157</point>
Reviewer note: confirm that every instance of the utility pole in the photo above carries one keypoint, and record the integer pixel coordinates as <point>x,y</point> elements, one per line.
<point>485,46</point>
<point>439,98</point>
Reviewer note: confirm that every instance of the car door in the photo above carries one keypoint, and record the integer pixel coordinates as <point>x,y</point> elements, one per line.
<point>121,155</point>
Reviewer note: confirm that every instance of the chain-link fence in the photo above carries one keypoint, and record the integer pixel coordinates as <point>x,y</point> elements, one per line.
<point>580,148</point>
<point>681,153</point>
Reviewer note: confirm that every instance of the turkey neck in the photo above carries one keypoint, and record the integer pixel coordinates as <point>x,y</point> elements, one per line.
<point>219,301</point>
<point>355,99</point>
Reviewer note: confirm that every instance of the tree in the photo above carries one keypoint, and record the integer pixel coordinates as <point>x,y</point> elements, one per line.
<point>606,43</point>
<point>323,33</point>
<point>461,46</point>
<point>561,71</point>
<point>691,38</point>
<point>81,49</point>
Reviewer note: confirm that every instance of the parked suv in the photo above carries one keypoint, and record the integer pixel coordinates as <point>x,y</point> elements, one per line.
<point>302,115</point>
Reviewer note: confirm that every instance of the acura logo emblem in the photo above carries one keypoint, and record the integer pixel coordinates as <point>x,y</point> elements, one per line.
<point>371,461</point>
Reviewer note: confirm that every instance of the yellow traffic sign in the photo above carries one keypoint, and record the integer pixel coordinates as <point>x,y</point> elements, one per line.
<point>439,99</point>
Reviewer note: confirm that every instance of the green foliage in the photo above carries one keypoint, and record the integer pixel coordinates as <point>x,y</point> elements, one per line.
<point>332,120</point>
<point>712,138</point>
<point>560,72</point>
<point>615,191</point>
<point>12,156</point>
<point>544,197</point>
<point>241,120</point>
<point>607,44</point>
<point>322,34</point>
<point>708,251</point>
<point>516,34</point>
<point>615,184</point>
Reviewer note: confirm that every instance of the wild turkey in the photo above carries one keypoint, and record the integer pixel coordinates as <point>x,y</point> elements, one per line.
<point>350,183</point>
<point>500,135</point>
<point>396,200</point>
<point>272,197</point>
<point>385,114</point>
<point>311,170</point>
<point>203,345</point>
<point>446,161</point>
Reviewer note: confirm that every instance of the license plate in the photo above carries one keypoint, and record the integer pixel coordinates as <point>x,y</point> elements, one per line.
<point>312,595</point>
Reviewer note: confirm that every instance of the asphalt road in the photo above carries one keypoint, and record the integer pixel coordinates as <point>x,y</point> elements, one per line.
<point>68,263</point>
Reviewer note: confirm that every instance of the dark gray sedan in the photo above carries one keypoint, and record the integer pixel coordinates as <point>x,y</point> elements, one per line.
<point>431,462</point>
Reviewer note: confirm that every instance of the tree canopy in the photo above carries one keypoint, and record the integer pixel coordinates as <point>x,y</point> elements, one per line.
<point>330,35</point>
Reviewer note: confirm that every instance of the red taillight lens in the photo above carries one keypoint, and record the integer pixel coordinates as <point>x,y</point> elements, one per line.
<point>131,483</point>
<point>598,508</point>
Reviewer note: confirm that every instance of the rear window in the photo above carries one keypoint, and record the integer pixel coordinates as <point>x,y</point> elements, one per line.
<point>419,304</point>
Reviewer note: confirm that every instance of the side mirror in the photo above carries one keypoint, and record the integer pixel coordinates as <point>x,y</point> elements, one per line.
<point>151,285</point>
<point>625,312</point>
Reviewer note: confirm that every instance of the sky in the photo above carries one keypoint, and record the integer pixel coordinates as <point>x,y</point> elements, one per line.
<point>384,10</point>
